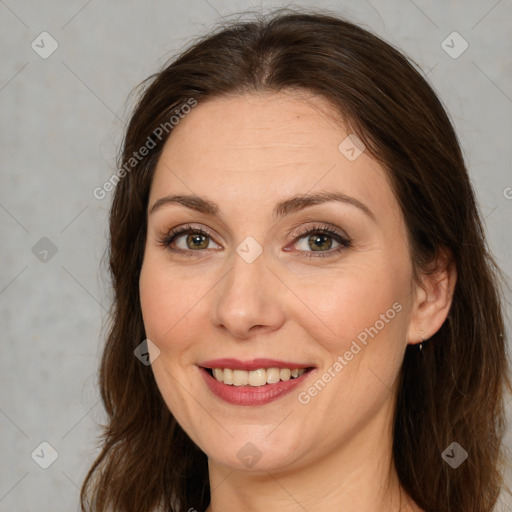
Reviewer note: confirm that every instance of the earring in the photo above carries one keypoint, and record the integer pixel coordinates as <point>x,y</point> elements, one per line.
<point>422,340</point>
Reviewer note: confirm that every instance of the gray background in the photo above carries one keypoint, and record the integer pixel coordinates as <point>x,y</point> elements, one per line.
<point>62,118</point>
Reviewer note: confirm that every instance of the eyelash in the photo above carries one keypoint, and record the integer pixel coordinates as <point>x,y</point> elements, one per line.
<point>322,229</point>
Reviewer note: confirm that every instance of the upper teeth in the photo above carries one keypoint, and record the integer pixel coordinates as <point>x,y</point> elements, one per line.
<point>258,377</point>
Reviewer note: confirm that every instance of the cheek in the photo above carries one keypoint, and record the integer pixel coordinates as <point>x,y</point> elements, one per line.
<point>167,302</point>
<point>360,328</point>
<point>358,304</point>
<point>170,303</point>
<point>362,331</point>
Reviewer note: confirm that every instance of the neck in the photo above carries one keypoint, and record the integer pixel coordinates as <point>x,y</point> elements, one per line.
<point>358,475</point>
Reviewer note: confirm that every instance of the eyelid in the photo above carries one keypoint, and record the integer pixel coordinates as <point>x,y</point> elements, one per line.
<point>302,230</point>
<point>330,230</point>
<point>344,241</point>
<point>166,238</point>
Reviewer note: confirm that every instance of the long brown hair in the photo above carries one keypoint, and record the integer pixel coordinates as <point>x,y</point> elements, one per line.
<point>451,391</point>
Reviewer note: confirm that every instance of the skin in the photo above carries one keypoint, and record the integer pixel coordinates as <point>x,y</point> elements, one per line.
<point>247,153</point>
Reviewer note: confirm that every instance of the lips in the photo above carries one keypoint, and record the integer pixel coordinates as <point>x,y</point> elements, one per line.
<point>259,377</point>
<point>254,364</point>
<point>254,382</point>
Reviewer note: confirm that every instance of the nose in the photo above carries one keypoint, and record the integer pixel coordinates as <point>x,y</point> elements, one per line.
<point>248,299</point>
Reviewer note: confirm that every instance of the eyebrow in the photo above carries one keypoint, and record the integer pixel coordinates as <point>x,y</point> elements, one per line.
<point>282,208</point>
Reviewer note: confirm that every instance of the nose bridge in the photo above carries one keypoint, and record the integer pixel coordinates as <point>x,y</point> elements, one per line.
<point>248,295</point>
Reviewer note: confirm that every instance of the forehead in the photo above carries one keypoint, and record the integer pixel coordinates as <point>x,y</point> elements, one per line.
<point>269,127</point>
<point>265,147</point>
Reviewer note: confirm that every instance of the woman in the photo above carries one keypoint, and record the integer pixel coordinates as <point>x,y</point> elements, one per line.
<point>306,316</point>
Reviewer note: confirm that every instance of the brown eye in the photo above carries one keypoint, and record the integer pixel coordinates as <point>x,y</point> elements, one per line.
<point>196,241</point>
<point>187,240</point>
<point>321,241</point>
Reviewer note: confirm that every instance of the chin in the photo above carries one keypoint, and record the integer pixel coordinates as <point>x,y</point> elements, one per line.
<point>254,451</point>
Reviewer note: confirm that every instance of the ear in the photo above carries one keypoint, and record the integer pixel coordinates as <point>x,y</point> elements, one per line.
<point>433,298</point>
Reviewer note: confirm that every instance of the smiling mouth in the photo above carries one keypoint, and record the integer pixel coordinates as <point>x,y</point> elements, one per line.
<point>255,378</point>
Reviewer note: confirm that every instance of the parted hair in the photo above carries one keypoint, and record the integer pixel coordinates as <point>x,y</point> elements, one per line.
<point>452,390</point>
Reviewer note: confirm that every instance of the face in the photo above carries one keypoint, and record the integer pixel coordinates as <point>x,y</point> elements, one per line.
<point>244,283</point>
